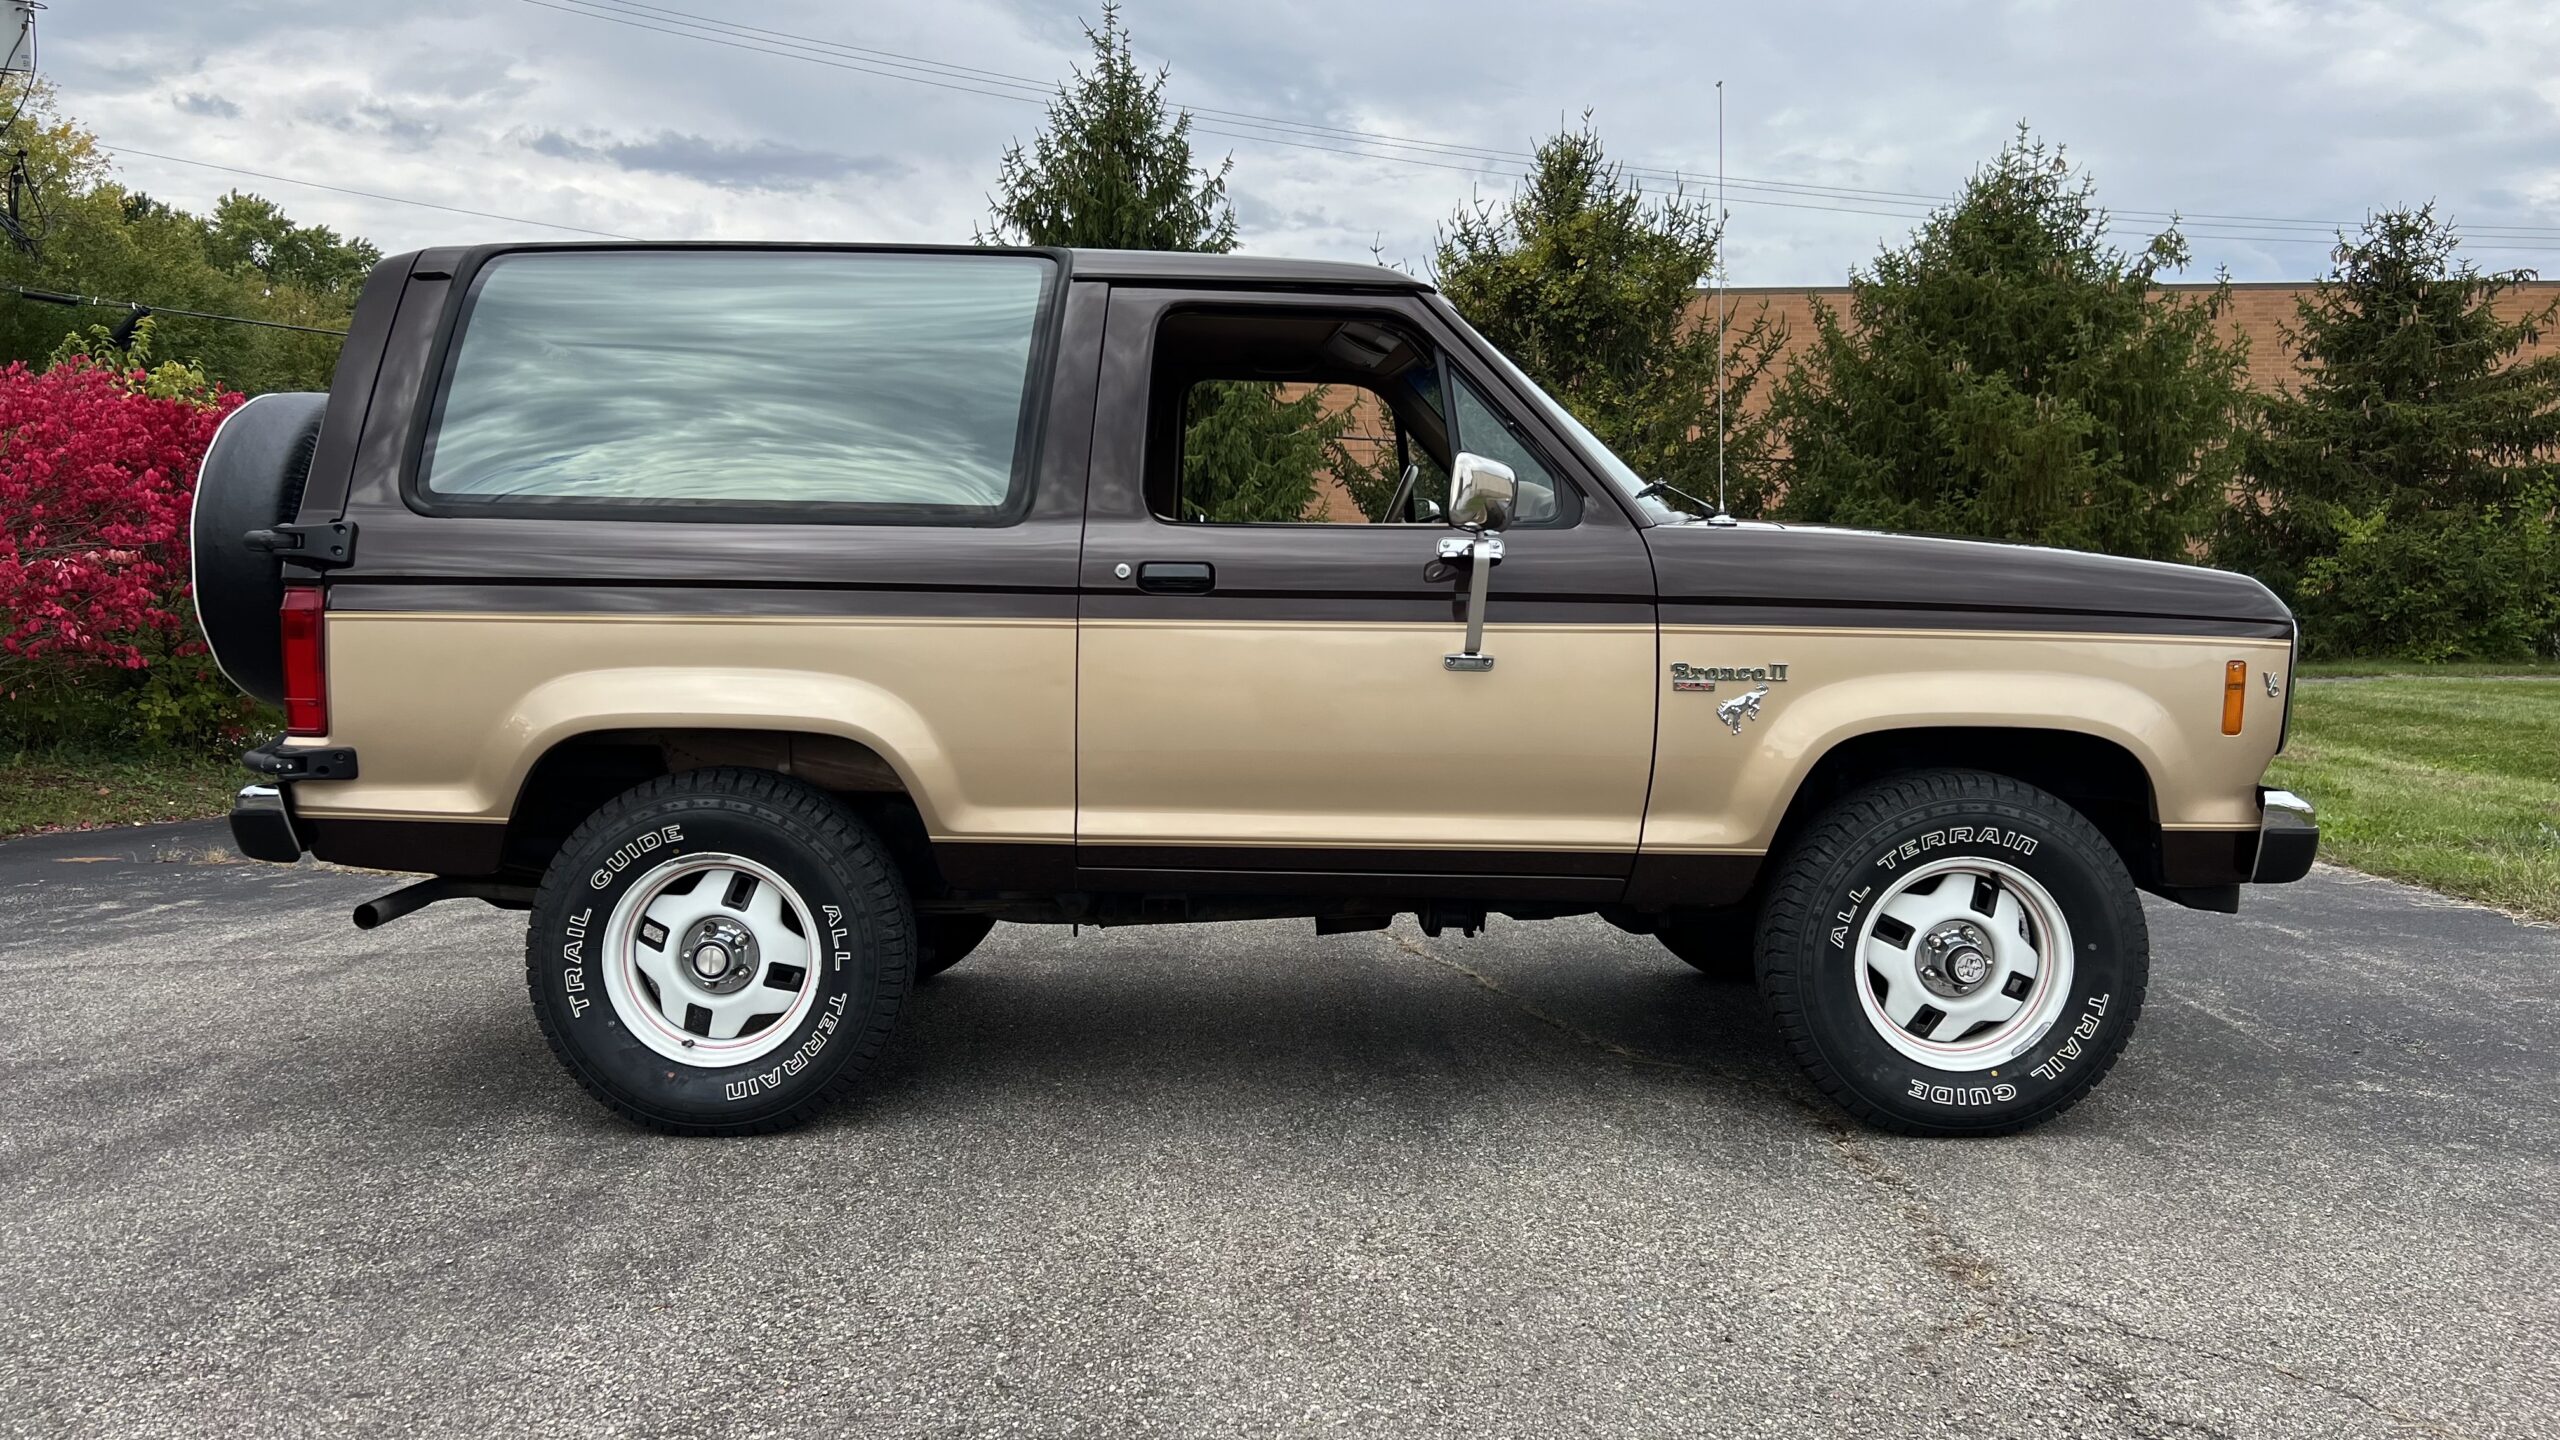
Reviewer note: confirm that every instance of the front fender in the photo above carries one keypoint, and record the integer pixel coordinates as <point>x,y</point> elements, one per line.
<point>1717,789</point>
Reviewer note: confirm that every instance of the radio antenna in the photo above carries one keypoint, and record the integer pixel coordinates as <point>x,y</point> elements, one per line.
<point>1720,273</point>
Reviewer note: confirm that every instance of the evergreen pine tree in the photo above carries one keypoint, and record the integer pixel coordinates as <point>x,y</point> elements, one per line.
<point>1112,169</point>
<point>1592,288</point>
<point>2401,498</point>
<point>2008,373</point>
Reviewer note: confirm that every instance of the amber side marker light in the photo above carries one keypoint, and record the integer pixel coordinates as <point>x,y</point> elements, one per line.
<point>2235,694</point>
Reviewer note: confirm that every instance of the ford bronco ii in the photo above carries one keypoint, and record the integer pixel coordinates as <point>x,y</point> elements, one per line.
<point>772,621</point>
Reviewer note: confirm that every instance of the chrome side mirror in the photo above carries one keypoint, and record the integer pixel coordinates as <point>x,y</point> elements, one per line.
<point>1481,493</point>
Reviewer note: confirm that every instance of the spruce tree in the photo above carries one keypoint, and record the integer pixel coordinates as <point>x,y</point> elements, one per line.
<point>1113,169</point>
<point>2401,497</point>
<point>2008,373</point>
<point>1592,287</point>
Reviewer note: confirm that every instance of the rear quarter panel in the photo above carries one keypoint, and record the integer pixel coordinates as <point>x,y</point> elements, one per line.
<point>450,710</point>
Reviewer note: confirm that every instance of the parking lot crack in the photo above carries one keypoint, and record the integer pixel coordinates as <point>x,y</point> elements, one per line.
<point>2082,1317</point>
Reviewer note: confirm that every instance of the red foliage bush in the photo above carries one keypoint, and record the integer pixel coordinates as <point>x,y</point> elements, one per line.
<point>96,481</point>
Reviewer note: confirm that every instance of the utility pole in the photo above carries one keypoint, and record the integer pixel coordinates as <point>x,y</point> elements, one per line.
<point>22,209</point>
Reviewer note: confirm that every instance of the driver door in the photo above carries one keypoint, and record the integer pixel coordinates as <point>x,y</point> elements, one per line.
<point>1269,701</point>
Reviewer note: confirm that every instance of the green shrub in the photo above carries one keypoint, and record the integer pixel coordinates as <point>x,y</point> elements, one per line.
<point>2437,585</point>
<point>2401,498</point>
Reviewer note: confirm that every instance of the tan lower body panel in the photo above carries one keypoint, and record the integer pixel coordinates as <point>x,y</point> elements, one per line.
<point>448,712</point>
<point>1278,735</point>
<point>1356,736</point>
<point>1723,783</point>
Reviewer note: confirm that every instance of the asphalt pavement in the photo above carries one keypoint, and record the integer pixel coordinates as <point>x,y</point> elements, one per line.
<point>263,1173</point>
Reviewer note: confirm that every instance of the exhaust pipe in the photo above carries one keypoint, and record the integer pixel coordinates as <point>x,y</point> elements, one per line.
<point>383,909</point>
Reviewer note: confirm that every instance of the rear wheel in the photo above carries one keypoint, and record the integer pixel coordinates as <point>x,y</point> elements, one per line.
<point>720,951</point>
<point>1954,953</point>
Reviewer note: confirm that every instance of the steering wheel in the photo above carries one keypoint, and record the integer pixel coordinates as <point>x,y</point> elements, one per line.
<point>1403,496</point>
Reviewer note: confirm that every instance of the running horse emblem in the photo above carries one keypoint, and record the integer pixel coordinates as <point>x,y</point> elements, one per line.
<point>1741,707</point>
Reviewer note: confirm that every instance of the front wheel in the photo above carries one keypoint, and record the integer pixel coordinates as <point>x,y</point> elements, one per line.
<point>719,952</point>
<point>1954,953</point>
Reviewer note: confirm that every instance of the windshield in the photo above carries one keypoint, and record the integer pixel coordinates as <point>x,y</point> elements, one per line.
<point>1619,472</point>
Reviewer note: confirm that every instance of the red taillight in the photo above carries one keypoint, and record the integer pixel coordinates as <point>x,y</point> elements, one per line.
<point>306,668</point>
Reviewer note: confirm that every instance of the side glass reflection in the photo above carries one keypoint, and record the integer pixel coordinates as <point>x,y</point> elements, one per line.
<point>742,377</point>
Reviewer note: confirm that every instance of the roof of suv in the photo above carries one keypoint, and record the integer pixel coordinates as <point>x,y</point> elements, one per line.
<point>1169,266</point>
<point>1177,265</point>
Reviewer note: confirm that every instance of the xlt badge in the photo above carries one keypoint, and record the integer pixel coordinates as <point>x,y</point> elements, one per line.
<point>1702,678</point>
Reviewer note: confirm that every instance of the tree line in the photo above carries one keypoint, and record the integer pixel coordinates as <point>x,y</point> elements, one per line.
<point>81,233</point>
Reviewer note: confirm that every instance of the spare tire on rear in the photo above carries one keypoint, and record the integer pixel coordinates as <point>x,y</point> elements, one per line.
<point>251,479</point>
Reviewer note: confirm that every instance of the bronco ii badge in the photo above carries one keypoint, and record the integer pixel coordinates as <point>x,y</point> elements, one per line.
<point>1702,679</point>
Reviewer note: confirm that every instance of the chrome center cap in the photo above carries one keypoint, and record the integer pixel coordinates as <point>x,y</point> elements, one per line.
<point>1955,960</point>
<point>719,954</point>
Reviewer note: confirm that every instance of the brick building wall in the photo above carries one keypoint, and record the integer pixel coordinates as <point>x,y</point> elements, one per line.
<point>2258,311</point>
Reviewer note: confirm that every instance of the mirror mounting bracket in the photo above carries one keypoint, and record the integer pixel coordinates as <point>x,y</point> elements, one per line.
<point>1482,551</point>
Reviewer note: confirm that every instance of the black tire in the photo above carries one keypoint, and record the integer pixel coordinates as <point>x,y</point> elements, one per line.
<point>1837,875</point>
<point>843,875</point>
<point>251,479</point>
<point>1716,945</point>
<point>946,940</point>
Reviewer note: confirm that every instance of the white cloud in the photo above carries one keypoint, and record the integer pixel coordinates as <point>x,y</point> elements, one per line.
<point>2274,108</point>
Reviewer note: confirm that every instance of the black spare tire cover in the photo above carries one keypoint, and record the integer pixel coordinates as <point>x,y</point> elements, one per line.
<point>251,479</point>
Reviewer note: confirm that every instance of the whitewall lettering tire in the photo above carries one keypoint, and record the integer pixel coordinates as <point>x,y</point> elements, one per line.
<point>1953,953</point>
<point>721,951</point>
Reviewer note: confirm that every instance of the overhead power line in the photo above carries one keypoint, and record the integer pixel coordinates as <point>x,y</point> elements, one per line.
<point>138,309</point>
<point>367,194</point>
<point>1441,155</point>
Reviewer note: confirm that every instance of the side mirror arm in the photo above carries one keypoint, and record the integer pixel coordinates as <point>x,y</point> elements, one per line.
<point>1480,552</point>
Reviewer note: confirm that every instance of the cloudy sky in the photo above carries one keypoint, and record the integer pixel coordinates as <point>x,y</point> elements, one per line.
<point>1352,125</point>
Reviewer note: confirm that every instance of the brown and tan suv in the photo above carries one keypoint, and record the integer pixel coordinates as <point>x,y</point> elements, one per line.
<point>773,620</point>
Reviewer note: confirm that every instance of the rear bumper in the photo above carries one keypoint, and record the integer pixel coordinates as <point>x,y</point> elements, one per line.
<point>2288,836</point>
<point>279,759</point>
<point>262,825</point>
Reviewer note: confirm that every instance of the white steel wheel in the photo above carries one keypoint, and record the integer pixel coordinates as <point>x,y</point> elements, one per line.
<point>1964,963</point>
<point>709,960</point>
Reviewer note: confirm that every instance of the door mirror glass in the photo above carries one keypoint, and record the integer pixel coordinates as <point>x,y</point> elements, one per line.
<point>1536,505</point>
<point>1481,493</point>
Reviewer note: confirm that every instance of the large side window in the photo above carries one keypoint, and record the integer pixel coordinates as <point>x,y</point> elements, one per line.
<point>891,385</point>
